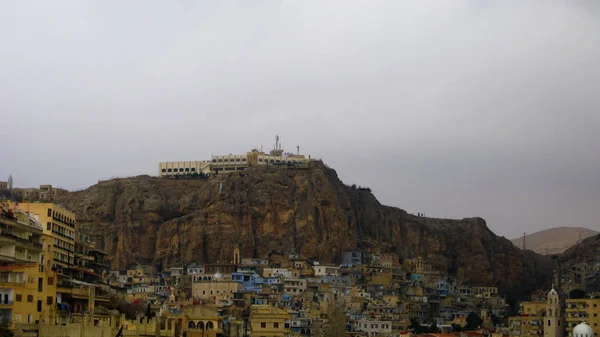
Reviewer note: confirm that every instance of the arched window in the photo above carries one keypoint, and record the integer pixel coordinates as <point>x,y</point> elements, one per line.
<point>191,325</point>
<point>210,325</point>
<point>550,312</point>
<point>201,325</point>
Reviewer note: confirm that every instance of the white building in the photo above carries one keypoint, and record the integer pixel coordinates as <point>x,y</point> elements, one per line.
<point>372,328</point>
<point>323,270</point>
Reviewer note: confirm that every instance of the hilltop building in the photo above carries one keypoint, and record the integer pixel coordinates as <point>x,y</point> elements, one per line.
<point>231,163</point>
<point>45,192</point>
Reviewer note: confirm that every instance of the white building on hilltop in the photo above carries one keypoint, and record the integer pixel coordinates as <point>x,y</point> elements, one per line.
<point>232,163</point>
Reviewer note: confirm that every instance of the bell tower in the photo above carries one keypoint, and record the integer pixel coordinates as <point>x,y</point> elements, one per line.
<point>553,327</point>
<point>236,256</point>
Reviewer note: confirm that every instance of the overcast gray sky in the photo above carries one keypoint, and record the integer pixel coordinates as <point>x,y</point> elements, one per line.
<point>452,108</point>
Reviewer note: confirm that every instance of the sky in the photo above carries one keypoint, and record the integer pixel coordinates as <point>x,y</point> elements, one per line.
<point>451,108</point>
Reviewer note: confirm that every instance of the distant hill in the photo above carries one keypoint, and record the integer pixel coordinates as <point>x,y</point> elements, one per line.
<point>554,240</point>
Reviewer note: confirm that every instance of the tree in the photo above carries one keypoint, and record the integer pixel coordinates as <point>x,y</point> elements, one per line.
<point>337,320</point>
<point>5,331</point>
<point>456,327</point>
<point>433,328</point>
<point>577,294</point>
<point>473,322</point>
<point>416,326</point>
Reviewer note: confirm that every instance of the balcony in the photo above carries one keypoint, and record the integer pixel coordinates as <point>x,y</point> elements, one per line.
<point>22,242</point>
<point>6,304</point>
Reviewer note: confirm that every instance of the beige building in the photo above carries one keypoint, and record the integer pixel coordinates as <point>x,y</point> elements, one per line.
<point>174,168</point>
<point>20,237</point>
<point>485,292</point>
<point>231,163</point>
<point>294,286</point>
<point>215,290</point>
<point>3,185</point>
<point>47,192</point>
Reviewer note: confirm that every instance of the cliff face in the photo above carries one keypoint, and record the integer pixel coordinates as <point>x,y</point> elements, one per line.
<point>269,210</point>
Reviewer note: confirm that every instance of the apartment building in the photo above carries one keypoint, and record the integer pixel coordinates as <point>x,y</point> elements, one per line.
<point>577,310</point>
<point>20,237</point>
<point>60,224</point>
<point>294,286</point>
<point>268,321</point>
<point>373,327</point>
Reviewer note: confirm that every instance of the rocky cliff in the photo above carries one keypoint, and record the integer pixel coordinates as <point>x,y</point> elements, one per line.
<point>272,210</point>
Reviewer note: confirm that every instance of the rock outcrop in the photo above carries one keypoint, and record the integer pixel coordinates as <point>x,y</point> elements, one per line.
<point>269,210</point>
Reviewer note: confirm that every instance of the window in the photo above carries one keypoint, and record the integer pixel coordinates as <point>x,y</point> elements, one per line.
<point>214,160</point>
<point>549,323</point>
<point>168,170</point>
<point>40,284</point>
<point>187,169</point>
<point>276,325</point>
<point>39,306</point>
<point>164,170</point>
<point>49,226</point>
<point>29,298</point>
<point>49,212</point>
<point>19,298</point>
<point>180,170</point>
<point>49,300</point>
<point>193,169</point>
<point>263,324</point>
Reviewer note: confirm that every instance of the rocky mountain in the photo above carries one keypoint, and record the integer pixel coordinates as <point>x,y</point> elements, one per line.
<point>554,240</point>
<point>269,210</point>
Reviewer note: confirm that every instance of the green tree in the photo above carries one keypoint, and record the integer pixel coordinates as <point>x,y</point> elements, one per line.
<point>416,326</point>
<point>473,322</point>
<point>5,331</point>
<point>433,328</point>
<point>456,327</point>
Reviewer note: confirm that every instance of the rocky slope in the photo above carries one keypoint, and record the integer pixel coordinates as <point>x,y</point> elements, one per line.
<point>270,210</point>
<point>554,240</point>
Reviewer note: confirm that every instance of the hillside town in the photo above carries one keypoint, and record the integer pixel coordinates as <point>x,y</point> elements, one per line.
<point>54,281</point>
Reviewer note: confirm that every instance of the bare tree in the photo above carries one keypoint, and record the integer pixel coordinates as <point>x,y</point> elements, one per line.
<point>336,321</point>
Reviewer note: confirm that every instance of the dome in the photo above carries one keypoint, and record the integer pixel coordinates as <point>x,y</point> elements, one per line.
<point>583,330</point>
<point>218,276</point>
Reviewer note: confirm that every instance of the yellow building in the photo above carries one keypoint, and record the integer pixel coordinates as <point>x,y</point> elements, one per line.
<point>202,321</point>
<point>536,308</point>
<point>268,321</point>
<point>577,310</point>
<point>20,237</point>
<point>28,294</point>
<point>526,326</point>
<point>27,281</point>
<point>60,224</point>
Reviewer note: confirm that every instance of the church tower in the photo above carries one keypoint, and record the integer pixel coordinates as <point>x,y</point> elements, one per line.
<point>236,256</point>
<point>553,327</point>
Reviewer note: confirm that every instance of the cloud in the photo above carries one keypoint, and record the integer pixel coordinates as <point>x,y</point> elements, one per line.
<point>451,108</point>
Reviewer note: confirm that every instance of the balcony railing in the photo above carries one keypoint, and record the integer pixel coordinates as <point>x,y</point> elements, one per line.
<point>5,302</point>
<point>21,240</point>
